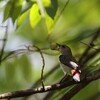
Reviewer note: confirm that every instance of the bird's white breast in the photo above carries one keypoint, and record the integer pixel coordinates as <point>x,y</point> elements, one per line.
<point>66,69</point>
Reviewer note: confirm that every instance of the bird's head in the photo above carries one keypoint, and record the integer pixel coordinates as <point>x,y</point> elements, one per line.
<point>65,50</point>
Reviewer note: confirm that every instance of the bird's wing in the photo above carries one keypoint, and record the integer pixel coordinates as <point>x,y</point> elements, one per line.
<point>68,62</point>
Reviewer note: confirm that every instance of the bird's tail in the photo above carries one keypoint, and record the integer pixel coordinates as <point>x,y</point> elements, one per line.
<point>76,75</point>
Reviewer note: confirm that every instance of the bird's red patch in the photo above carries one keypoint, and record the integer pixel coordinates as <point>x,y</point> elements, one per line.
<point>75,72</point>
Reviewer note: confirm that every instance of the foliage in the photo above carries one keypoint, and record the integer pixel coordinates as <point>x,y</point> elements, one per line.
<point>42,22</point>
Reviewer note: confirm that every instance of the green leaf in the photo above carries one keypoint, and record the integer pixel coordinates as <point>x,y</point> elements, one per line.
<point>35,16</point>
<point>10,68</point>
<point>22,18</point>
<point>7,11</point>
<point>34,35</point>
<point>51,10</point>
<point>17,6</point>
<point>46,3</point>
<point>25,68</point>
<point>13,9</point>
<point>49,23</point>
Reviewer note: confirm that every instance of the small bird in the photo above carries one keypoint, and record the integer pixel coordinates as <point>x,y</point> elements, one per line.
<point>68,62</point>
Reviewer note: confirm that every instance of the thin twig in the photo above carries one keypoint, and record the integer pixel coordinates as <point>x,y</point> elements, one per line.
<point>20,51</point>
<point>64,7</point>
<point>45,77</point>
<point>96,35</point>
<point>16,52</point>
<point>22,93</point>
<point>43,61</point>
<point>90,56</point>
<point>4,42</point>
<point>3,39</point>
<point>91,46</point>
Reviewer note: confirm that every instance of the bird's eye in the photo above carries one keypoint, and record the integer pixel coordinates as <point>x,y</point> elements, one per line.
<point>63,46</point>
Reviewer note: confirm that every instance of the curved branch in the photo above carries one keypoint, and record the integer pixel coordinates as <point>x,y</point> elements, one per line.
<point>96,35</point>
<point>43,61</point>
<point>22,93</point>
<point>90,56</point>
<point>80,86</point>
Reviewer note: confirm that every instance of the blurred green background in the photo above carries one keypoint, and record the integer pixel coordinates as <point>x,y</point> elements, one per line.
<point>40,23</point>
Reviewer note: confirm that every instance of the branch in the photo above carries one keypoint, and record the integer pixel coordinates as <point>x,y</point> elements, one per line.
<point>43,61</point>
<point>28,49</point>
<point>74,90</point>
<point>22,93</point>
<point>90,56</point>
<point>90,45</point>
<point>45,77</point>
<point>80,86</point>
<point>4,42</point>
<point>85,60</point>
<point>96,35</point>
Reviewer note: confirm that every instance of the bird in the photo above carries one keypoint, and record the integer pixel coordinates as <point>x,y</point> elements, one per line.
<point>68,62</point>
